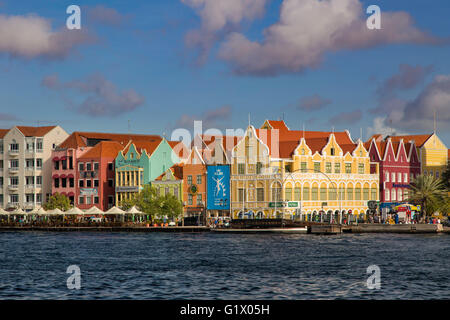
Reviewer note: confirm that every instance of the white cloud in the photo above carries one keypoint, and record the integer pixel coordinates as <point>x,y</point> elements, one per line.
<point>307,29</point>
<point>216,16</point>
<point>32,36</point>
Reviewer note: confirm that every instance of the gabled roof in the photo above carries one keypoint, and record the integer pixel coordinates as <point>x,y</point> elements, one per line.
<point>177,171</point>
<point>35,131</point>
<point>80,139</point>
<point>419,139</point>
<point>107,149</point>
<point>3,132</point>
<point>179,148</point>
<point>316,140</point>
<point>278,124</point>
<point>228,142</point>
<point>148,146</point>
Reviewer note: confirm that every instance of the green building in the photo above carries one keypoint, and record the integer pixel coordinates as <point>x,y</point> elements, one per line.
<point>141,162</point>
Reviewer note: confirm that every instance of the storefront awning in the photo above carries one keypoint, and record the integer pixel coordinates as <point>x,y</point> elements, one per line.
<point>55,159</point>
<point>62,176</point>
<point>70,175</point>
<point>55,176</point>
<point>70,194</point>
<point>63,158</point>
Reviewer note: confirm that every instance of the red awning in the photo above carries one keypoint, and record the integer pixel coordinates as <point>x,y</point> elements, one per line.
<point>71,194</point>
<point>62,176</point>
<point>63,158</point>
<point>55,159</point>
<point>63,193</point>
<point>70,175</point>
<point>55,176</point>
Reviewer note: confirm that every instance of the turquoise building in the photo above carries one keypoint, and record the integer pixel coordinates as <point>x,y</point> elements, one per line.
<point>140,163</point>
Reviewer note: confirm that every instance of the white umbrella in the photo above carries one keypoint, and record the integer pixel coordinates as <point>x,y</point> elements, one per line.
<point>55,212</point>
<point>115,210</point>
<point>134,210</point>
<point>34,211</point>
<point>41,212</point>
<point>3,212</point>
<point>94,210</point>
<point>74,211</point>
<point>18,211</point>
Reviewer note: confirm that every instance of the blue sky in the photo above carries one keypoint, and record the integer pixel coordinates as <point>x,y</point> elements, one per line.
<point>154,79</point>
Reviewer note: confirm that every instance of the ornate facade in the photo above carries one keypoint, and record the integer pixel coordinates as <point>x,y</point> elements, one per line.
<point>277,172</point>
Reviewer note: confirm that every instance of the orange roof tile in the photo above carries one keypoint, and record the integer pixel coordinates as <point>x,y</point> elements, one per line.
<point>3,132</point>
<point>102,149</point>
<point>278,124</point>
<point>35,131</point>
<point>179,148</point>
<point>177,171</point>
<point>315,140</point>
<point>80,139</point>
<point>419,139</point>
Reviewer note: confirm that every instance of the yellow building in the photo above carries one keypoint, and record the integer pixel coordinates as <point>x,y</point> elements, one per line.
<point>277,172</point>
<point>433,153</point>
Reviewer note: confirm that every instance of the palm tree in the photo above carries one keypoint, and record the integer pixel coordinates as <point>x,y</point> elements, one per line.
<point>427,191</point>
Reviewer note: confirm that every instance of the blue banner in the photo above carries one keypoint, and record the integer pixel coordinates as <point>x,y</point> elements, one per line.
<point>218,197</point>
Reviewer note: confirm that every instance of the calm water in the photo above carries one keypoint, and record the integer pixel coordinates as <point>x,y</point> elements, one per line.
<point>214,266</point>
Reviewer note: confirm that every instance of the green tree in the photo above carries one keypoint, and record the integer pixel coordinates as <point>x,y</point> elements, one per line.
<point>170,206</point>
<point>429,192</point>
<point>146,201</point>
<point>59,201</point>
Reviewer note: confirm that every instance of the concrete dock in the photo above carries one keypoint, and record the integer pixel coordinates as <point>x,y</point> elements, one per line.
<point>191,229</point>
<point>262,230</point>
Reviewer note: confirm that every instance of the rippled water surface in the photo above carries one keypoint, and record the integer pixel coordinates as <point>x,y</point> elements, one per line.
<point>223,266</point>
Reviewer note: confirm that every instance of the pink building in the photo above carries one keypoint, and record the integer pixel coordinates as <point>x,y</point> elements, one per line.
<point>65,168</point>
<point>399,164</point>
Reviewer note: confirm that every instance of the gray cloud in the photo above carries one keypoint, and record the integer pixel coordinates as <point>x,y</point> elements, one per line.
<point>212,118</point>
<point>346,118</point>
<point>105,15</point>
<point>308,29</point>
<point>100,97</point>
<point>32,36</point>
<point>312,103</point>
<point>408,77</point>
<point>419,112</point>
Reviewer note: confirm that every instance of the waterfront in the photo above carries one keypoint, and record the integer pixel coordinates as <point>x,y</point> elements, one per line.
<point>221,266</point>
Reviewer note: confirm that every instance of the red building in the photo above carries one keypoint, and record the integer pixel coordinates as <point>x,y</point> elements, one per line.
<point>399,164</point>
<point>96,175</point>
<point>66,174</point>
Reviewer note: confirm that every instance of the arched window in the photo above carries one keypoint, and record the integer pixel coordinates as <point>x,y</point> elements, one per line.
<point>323,193</point>
<point>305,193</point>
<point>400,195</point>
<point>386,195</point>
<point>393,195</point>
<point>358,193</point>
<point>276,191</point>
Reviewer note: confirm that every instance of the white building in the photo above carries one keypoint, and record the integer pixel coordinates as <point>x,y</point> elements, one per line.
<point>26,165</point>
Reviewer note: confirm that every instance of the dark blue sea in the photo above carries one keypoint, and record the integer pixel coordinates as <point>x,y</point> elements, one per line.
<point>223,266</point>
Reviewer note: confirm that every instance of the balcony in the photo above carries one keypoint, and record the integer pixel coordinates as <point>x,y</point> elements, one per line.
<point>13,170</point>
<point>13,186</point>
<point>12,205</point>
<point>13,153</point>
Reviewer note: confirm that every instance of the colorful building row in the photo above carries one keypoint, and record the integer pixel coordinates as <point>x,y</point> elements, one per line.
<point>271,171</point>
